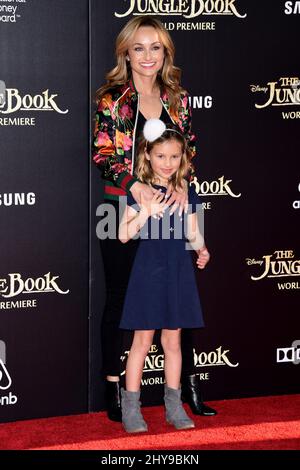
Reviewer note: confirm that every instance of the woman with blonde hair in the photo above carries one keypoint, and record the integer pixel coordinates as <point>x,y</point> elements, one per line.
<point>144,84</point>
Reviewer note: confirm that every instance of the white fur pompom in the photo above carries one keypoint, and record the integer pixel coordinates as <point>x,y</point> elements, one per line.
<point>153,129</point>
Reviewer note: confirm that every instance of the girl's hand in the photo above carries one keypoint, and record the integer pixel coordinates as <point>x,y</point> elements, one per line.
<point>203,257</point>
<point>138,187</point>
<point>154,205</point>
<point>179,197</point>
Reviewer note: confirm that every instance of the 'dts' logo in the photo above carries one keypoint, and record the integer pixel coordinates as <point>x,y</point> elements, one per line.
<point>5,379</point>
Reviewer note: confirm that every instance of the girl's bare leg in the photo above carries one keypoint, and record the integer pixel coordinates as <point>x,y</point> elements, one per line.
<point>141,344</point>
<point>170,341</point>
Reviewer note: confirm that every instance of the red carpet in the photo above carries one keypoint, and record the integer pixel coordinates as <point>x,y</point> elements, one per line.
<point>252,423</point>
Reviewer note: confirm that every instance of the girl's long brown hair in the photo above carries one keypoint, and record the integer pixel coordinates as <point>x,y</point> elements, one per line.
<point>168,78</point>
<point>143,169</point>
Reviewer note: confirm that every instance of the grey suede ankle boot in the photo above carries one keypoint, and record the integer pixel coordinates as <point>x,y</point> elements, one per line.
<point>175,413</point>
<point>132,418</point>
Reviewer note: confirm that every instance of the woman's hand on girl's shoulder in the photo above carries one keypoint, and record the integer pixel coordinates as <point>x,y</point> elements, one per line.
<point>178,197</point>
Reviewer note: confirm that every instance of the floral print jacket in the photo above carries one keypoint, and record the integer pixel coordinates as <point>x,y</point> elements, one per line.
<point>114,136</point>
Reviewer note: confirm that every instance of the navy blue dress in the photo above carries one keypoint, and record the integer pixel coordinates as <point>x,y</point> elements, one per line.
<point>162,290</point>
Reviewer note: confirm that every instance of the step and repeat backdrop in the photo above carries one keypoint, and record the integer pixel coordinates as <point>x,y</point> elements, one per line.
<point>44,180</point>
<point>240,64</point>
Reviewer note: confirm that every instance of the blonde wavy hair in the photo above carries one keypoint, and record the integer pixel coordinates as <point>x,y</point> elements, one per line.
<point>168,78</point>
<point>143,170</point>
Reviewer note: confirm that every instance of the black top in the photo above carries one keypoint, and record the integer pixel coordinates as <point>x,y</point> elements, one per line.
<point>140,126</point>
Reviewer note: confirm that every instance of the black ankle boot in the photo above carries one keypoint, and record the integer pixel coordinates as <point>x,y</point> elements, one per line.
<point>113,401</point>
<point>191,395</point>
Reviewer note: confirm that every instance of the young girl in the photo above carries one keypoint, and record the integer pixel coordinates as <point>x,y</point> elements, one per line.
<point>162,291</point>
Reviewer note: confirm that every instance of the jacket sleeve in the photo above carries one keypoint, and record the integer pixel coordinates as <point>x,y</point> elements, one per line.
<point>104,148</point>
<point>187,127</point>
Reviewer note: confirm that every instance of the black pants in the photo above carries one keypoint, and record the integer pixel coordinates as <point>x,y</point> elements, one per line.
<point>118,260</point>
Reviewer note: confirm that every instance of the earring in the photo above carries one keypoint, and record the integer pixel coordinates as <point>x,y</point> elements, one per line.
<point>127,58</point>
